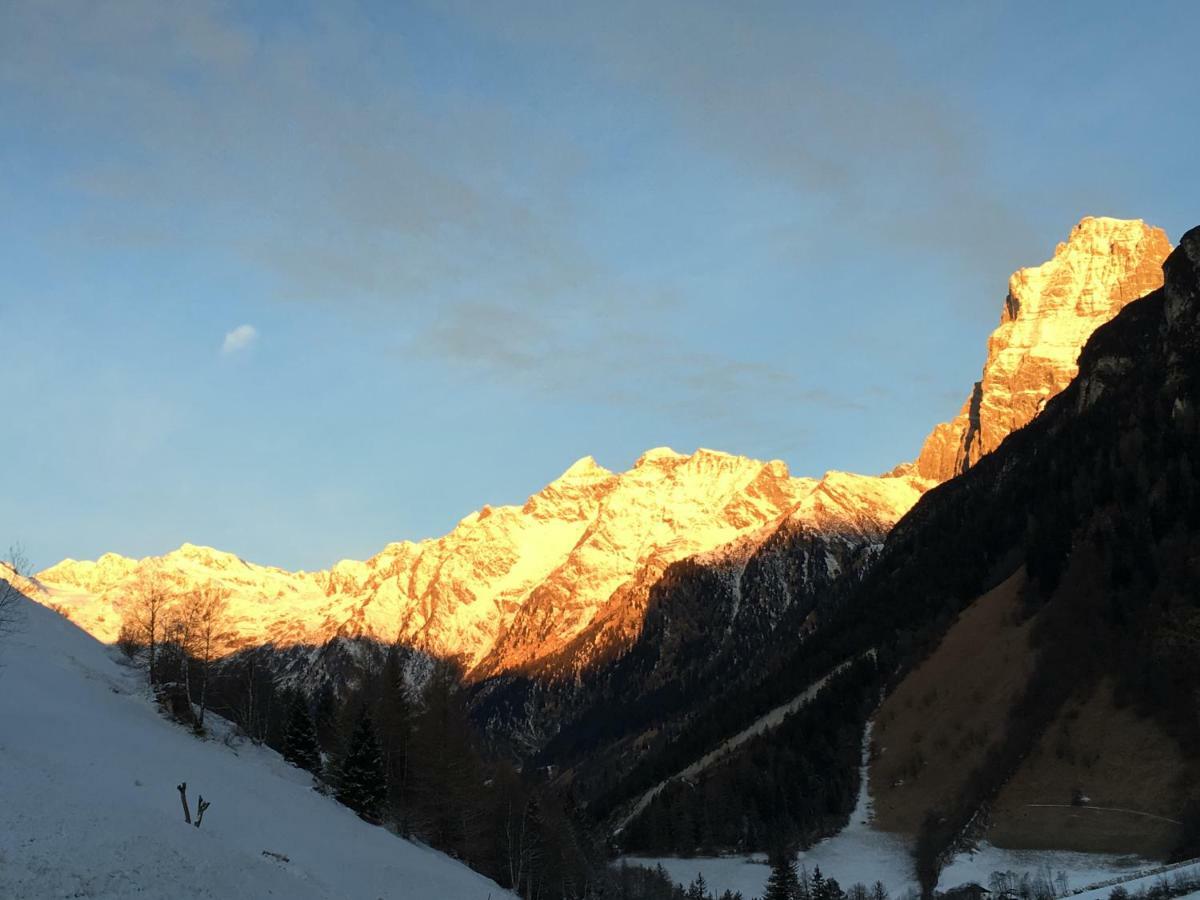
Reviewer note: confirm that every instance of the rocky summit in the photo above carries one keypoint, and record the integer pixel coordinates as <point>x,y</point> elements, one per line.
<point>1049,313</point>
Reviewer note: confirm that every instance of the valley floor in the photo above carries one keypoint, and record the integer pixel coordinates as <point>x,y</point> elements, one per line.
<point>859,853</point>
<point>88,775</point>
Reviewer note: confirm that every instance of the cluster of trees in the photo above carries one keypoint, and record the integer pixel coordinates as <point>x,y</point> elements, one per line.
<point>405,759</point>
<point>1041,885</point>
<point>178,636</point>
<point>1164,888</point>
<point>787,883</point>
<point>796,783</point>
<point>641,883</point>
<point>410,760</point>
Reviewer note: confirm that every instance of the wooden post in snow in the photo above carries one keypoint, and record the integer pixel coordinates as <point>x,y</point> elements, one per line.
<point>201,807</point>
<point>187,813</point>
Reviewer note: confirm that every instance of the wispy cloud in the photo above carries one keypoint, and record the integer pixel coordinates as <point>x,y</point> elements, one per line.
<point>240,338</point>
<point>804,102</point>
<point>453,219</point>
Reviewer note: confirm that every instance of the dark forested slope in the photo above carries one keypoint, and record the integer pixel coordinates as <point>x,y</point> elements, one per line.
<point>1099,500</point>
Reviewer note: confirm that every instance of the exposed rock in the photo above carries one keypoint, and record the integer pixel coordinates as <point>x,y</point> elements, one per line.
<point>1049,313</point>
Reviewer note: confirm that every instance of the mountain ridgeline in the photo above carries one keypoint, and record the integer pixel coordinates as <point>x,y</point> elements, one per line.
<point>706,632</point>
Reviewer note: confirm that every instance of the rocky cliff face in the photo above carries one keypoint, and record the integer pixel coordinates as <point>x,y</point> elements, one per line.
<point>511,585</point>
<point>1049,313</point>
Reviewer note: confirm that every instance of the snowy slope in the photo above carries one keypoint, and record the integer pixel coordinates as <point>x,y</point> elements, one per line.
<point>88,805</point>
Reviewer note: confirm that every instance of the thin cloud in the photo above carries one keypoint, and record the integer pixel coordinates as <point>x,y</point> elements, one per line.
<point>241,338</point>
<point>453,219</point>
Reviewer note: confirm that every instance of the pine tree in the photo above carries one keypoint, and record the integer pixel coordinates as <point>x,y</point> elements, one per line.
<point>698,889</point>
<point>446,771</point>
<point>300,738</point>
<point>783,883</point>
<point>362,782</point>
<point>817,886</point>
<point>804,887</point>
<point>326,720</point>
<point>395,717</point>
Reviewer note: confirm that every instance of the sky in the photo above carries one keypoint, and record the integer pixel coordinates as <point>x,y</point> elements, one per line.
<point>297,280</point>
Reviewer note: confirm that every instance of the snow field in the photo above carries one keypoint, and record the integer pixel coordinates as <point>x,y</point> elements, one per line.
<point>89,806</point>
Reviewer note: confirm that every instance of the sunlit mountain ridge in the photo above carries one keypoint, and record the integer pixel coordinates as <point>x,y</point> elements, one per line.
<point>512,586</point>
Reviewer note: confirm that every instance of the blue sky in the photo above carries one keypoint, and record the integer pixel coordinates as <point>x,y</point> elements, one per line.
<point>476,241</point>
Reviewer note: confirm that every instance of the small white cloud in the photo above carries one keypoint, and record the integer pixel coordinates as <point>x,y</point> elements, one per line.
<point>239,339</point>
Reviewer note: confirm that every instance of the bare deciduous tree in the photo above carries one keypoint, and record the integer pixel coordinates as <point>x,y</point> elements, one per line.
<point>175,652</point>
<point>202,624</point>
<point>146,612</point>
<point>12,573</point>
<point>521,852</point>
<point>187,813</point>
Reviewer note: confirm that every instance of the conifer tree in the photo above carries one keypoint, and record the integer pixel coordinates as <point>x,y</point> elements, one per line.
<point>783,883</point>
<point>804,887</point>
<point>326,720</point>
<point>362,782</point>
<point>300,739</point>
<point>446,768</point>
<point>817,886</point>
<point>394,714</point>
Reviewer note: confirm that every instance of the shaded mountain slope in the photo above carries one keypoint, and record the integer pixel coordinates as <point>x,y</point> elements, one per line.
<point>1099,501</point>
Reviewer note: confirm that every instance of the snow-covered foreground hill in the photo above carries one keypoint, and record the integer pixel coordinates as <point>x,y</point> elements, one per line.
<point>89,806</point>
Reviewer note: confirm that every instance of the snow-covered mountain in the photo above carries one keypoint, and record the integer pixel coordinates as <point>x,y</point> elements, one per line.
<point>564,580</point>
<point>510,585</point>
<point>88,773</point>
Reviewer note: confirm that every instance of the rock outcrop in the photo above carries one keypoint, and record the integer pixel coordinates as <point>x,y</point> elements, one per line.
<point>1049,313</point>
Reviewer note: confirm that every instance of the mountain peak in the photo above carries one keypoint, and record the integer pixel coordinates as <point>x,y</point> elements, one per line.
<point>584,468</point>
<point>1049,313</point>
<point>658,456</point>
